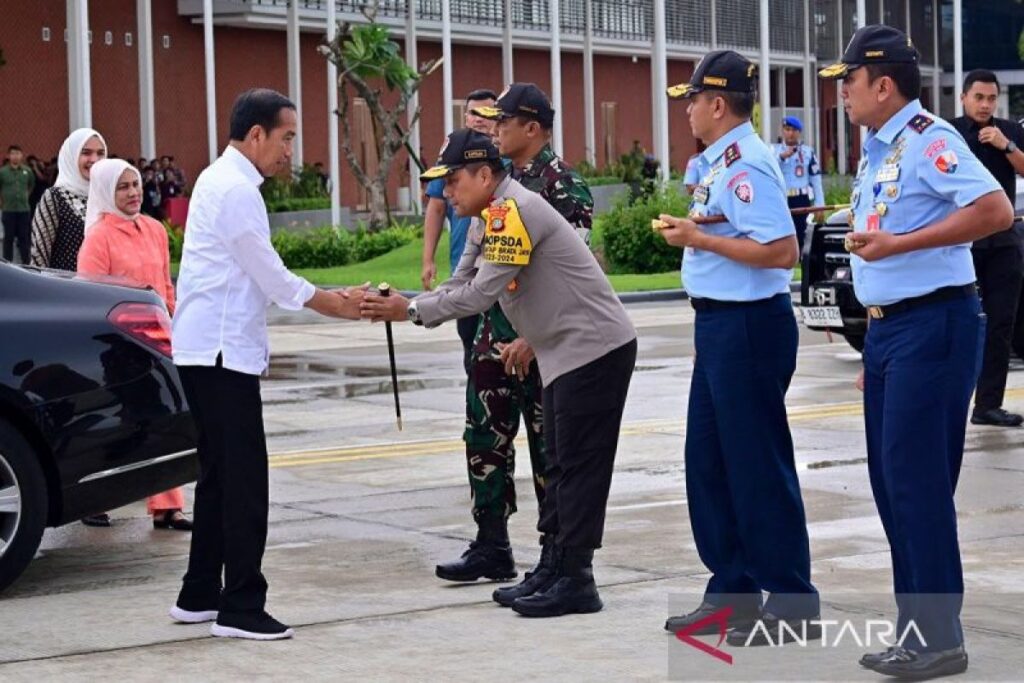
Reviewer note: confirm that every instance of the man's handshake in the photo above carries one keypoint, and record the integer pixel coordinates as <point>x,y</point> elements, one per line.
<point>339,303</point>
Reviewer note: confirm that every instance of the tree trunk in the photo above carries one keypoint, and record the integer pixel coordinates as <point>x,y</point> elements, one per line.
<point>378,206</point>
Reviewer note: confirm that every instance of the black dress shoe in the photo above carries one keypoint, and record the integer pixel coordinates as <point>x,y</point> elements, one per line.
<point>996,417</point>
<point>872,659</point>
<point>537,580</point>
<point>172,519</point>
<point>100,520</point>
<point>738,619</point>
<point>919,666</point>
<point>771,630</point>
<point>481,560</point>
<point>573,592</point>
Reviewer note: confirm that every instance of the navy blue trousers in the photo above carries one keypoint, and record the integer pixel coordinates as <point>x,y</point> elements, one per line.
<point>920,367</point>
<point>741,483</point>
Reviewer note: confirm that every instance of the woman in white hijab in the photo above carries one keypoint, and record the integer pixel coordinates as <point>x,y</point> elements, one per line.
<point>59,222</point>
<point>120,241</point>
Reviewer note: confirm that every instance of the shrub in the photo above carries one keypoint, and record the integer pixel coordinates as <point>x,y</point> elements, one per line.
<point>175,239</point>
<point>326,247</point>
<point>629,244</point>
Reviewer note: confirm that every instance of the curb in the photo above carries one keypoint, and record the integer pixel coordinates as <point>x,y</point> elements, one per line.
<point>652,296</point>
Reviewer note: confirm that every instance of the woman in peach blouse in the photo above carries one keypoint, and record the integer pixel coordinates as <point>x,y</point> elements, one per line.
<point>119,240</point>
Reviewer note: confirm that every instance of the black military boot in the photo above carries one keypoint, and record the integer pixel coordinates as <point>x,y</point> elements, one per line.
<point>573,592</point>
<point>536,580</point>
<point>489,556</point>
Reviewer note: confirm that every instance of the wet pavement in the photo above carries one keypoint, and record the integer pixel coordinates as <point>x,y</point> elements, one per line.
<point>361,513</point>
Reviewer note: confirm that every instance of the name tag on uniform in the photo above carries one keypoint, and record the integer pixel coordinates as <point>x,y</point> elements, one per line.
<point>700,194</point>
<point>889,173</point>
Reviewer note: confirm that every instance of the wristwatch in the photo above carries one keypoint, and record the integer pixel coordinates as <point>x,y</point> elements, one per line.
<point>413,313</point>
<point>1010,148</point>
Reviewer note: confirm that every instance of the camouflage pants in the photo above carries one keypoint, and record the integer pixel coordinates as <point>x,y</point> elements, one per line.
<point>494,403</point>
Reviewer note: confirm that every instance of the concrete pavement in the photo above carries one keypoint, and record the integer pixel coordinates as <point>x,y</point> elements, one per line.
<point>361,513</point>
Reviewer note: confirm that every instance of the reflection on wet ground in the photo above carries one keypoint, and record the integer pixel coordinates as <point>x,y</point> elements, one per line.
<point>292,368</point>
<point>305,394</point>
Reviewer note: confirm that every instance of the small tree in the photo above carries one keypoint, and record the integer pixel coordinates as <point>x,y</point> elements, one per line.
<point>367,58</point>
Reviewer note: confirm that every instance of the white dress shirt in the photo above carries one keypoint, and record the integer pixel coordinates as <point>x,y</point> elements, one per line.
<point>230,272</point>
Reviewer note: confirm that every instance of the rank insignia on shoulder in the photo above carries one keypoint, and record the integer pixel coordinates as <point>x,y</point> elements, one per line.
<point>921,122</point>
<point>506,240</point>
<point>732,154</point>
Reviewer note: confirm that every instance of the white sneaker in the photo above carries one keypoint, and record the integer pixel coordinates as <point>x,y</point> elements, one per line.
<point>184,616</point>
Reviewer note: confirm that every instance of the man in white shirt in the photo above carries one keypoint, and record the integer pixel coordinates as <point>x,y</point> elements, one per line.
<point>229,275</point>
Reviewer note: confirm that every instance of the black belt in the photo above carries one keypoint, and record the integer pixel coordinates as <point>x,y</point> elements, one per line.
<point>941,294</point>
<point>719,305</point>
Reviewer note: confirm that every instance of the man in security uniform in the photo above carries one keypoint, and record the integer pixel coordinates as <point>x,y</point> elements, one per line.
<point>527,256</point>
<point>744,498</point>
<point>802,173</point>
<point>497,394</point>
<point>920,199</point>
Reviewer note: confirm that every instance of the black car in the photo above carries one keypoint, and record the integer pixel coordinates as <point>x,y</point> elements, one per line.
<point>827,301</point>
<point>92,414</point>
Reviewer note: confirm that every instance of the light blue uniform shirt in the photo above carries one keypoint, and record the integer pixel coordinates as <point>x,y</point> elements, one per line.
<point>915,171</point>
<point>801,171</point>
<point>740,179</point>
<point>690,176</point>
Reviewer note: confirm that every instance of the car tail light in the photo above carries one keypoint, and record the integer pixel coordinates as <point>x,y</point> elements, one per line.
<point>146,323</point>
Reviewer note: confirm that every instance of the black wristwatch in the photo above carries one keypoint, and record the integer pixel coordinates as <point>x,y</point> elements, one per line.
<point>1010,148</point>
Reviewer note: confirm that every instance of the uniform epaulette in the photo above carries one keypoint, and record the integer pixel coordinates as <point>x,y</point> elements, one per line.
<point>732,154</point>
<point>921,122</point>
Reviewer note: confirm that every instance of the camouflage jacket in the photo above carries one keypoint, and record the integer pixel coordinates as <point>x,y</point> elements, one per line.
<point>562,187</point>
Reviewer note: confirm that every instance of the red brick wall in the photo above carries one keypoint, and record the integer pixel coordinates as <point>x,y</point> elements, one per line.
<point>37,118</point>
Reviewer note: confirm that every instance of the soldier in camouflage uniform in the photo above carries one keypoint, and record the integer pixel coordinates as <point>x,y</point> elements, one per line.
<point>496,395</point>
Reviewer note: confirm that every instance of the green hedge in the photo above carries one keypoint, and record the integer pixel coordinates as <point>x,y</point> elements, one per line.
<point>298,204</point>
<point>326,247</point>
<point>629,244</point>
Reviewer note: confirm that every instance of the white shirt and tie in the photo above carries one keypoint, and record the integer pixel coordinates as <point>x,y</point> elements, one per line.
<point>230,272</point>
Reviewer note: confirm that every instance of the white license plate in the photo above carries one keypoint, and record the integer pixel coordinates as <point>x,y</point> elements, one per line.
<point>822,316</point>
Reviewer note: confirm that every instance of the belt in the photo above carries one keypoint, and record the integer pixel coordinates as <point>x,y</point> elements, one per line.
<point>801,192</point>
<point>719,305</point>
<point>941,294</point>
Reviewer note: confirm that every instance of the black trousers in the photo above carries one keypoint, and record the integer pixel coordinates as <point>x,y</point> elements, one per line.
<point>17,224</point>
<point>582,416</point>
<point>1000,271</point>
<point>799,222</point>
<point>467,332</point>
<point>231,499</point>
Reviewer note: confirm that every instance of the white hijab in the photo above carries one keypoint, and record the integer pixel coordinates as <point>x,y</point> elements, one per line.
<point>102,187</point>
<point>68,174</point>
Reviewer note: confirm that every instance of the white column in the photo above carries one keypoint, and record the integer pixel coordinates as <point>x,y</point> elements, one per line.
<point>412,59</point>
<point>765,75</point>
<point>936,67</point>
<point>79,74</point>
<point>841,142</point>
<point>556,75</point>
<point>507,69</point>
<point>294,38</point>
<point>147,107</point>
<point>862,13</point>
<point>780,88</point>
<point>810,125</point>
<point>589,127</point>
<point>211,88</point>
<point>446,68</point>
<point>958,54</point>
<point>332,119</point>
<point>713,11</point>
<point>659,69</point>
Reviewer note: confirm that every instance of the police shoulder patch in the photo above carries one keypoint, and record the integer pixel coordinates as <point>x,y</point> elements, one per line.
<point>506,240</point>
<point>732,154</point>
<point>920,123</point>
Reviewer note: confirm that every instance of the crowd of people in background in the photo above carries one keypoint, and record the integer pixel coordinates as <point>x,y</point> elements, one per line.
<point>162,179</point>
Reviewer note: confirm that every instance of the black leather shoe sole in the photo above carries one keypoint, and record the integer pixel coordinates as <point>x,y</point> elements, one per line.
<point>709,629</point>
<point>947,667</point>
<point>492,574</point>
<point>528,608</point>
